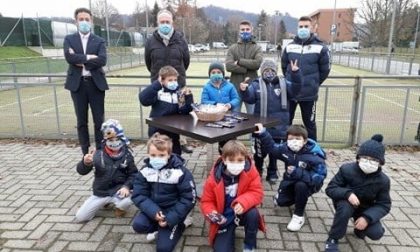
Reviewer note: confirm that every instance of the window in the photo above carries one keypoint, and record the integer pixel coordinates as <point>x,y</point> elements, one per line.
<point>339,15</point>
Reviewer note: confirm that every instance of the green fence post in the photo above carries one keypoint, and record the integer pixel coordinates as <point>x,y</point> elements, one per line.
<point>355,110</point>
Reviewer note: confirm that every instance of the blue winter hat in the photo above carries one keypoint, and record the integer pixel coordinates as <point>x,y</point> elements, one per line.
<point>112,128</point>
<point>373,148</point>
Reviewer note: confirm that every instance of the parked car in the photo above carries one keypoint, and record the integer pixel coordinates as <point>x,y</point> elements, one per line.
<point>202,48</point>
<point>192,48</point>
<point>219,45</point>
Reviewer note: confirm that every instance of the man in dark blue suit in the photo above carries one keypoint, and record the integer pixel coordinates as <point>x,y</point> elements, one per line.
<point>86,55</point>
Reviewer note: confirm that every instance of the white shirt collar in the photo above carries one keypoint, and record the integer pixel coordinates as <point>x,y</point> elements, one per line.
<point>84,36</point>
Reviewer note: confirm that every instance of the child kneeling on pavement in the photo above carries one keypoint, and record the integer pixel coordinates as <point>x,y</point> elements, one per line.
<point>230,198</point>
<point>360,190</point>
<point>305,172</point>
<point>114,170</point>
<point>164,191</point>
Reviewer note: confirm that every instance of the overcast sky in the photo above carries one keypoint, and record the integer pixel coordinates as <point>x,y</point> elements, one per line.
<point>66,7</point>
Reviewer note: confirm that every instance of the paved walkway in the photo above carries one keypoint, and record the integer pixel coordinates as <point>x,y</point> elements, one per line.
<point>40,192</point>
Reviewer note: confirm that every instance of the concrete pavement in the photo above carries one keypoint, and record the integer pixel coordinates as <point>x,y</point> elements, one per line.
<point>40,192</point>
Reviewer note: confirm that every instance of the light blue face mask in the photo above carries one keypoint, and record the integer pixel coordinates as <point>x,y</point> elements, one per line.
<point>165,28</point>
<point>216,77</point>
<point>84,27</point>
<point>158,163</point>
<point>172,85</point>
<point>303,33</point>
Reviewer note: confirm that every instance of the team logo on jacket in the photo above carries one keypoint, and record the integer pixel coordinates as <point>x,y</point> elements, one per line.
<point>277,91</point>
<point>166,174</point>
<point>302,164</point>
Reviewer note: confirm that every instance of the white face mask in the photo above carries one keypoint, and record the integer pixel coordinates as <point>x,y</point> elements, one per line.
<point>235,168</point>
<point>368,166</point>
<point>295,144</point>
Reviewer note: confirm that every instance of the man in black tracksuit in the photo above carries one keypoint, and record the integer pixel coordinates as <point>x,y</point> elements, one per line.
<point>360,190</point>
<point>314,64</point>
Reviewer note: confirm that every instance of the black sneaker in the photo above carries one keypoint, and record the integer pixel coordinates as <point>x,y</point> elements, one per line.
<point>331,245</point>
<point>271,179</point>
<point>359,234</point>
<point>186,149</point>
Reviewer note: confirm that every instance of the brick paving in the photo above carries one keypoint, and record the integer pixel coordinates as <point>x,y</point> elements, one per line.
<point>40,193</point>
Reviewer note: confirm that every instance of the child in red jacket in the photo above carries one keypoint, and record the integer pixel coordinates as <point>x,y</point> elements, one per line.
<point>230,197</point>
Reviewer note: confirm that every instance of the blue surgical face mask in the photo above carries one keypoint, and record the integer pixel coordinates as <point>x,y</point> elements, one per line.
<point>172,85</point>
<point>246,36</point>
<point>165,28</point>
<point>216,77</point>
<point>84,27</point>
<point>303,33</point>
<point>158,163</point>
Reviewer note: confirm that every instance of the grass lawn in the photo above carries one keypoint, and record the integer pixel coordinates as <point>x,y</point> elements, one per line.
<point>10,52</point>
<point>383,108</point>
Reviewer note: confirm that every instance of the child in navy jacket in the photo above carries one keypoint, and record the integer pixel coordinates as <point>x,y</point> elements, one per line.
<point>360,190</point>
<point>164,191</point>
<point>166,99</point>
<point>270,94</point>
<point>305,169</point>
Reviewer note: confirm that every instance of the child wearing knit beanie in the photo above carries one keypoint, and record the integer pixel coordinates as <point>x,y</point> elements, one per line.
<point>360,190</point>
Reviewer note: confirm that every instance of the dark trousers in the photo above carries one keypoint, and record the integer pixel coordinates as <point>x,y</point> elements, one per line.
<point>225,238</point>
<point>297,194</point>
<point>308,112</point>
<point>343,212</point>
<point>88,95</point>
<point>259,157</point>
<point>167,238</point>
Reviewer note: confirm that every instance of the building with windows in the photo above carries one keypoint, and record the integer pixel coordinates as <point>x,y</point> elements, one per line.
<point>322,21</point>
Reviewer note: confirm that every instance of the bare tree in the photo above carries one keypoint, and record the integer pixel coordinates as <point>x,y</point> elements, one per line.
<point>99,13</point>
<point>375,16</point>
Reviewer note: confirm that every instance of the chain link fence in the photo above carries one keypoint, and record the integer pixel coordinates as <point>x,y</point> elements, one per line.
<point>349,110</point>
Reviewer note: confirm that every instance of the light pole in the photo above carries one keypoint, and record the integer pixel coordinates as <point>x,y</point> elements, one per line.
<point>107,23</point>
<point>259,31</point>
<point>391,35</point>
<point>415,34</point>
<point>147,20</point>
<point>333,32</point>
<point>275,25</point>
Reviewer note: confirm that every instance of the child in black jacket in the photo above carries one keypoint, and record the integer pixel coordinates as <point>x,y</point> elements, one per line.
<point>114,170</point>
<point>360,190</point>
<point>166,99</point>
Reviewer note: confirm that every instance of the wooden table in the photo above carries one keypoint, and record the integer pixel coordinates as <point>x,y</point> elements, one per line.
<point>189,126</point>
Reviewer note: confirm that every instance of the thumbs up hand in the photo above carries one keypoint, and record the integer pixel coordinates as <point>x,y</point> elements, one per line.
<point>88,158</point>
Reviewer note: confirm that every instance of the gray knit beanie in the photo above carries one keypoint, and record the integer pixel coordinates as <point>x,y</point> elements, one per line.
<point>268,64</point>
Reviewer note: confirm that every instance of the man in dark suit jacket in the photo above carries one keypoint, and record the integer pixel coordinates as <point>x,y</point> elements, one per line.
<point>86,55</point>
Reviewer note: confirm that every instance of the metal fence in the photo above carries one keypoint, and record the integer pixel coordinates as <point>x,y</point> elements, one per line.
<point>349,109</point>
<point>378,63</point>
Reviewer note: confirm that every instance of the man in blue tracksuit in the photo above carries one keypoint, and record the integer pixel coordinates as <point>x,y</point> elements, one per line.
<point>314,63</point>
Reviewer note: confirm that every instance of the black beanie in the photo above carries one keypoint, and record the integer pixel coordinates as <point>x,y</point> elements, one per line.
<point>373,148</point>
<point>217,65</point>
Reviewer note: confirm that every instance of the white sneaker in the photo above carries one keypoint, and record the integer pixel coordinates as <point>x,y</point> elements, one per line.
<point>188,220</point>
<point>248,250</point>
<point>151,236</point>
<point>296,223</point>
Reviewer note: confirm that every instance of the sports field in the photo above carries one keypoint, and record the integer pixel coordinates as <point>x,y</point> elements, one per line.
<point>382,109</point>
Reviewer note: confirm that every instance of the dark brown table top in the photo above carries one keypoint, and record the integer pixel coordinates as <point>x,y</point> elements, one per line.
<point>186,125</point>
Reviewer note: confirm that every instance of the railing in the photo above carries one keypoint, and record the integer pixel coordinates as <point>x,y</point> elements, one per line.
<point>349,110</point>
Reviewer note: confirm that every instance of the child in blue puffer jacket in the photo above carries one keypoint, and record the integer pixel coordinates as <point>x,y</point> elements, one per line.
<point>164,191</point>
<point>218,90</point>
<point>305,172</point>
<point>271,94</point>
